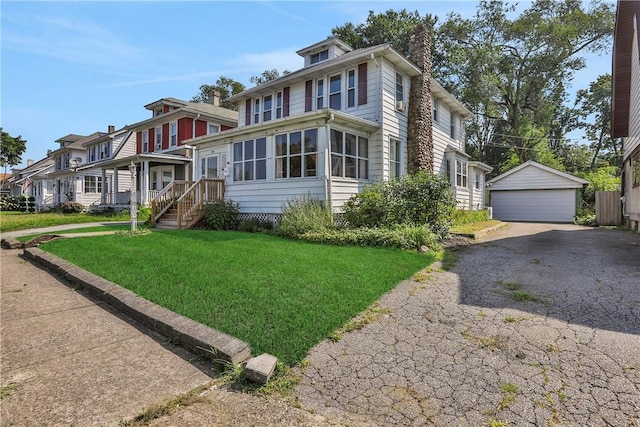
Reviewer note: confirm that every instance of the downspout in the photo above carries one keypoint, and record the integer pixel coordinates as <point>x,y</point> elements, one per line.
<point>378,98</point>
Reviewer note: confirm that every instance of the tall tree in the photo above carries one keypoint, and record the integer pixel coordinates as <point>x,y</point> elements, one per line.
<point>594,109</point>
<point>11,150</point>
<point>513,72</point>
<point>225,86</point>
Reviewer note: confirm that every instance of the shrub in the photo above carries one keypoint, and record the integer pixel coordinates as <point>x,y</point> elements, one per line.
<point>254,225</point>
<point>586,217</point>
<point>303,215</point>
<point>461,216</point>
<point>221,215</point>
<point>10,203</point>
<point>415,200</point>
<point>71,207</point>
<point>401,236</point>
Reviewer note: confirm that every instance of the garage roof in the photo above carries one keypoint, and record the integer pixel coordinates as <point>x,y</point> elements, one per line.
<point>531,176</point>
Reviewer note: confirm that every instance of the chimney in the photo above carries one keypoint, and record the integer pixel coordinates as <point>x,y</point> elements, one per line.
<point>214,98</point>
<point>419,132</point>
<point>48,152</point>
<point>111,129</point>
<point>29,162</point>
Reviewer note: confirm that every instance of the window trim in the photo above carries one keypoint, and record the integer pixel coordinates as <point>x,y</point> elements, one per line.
<point>303,154</point>
<point>343,156</point>
<point>157,142</point>
<point>399,87</point>
<point>462,173</point>
<point>395,165</point>
<point>352,85</point>
<point>242,162</point>
<point>144,144</point>
<point>337,94</point>
<point>266,111</point>
<point>436,110</point>
<point>209,125</point>
<point>92,184</point>
<point>173,137</point>
<point>279,104</point>
<point>319,86</point>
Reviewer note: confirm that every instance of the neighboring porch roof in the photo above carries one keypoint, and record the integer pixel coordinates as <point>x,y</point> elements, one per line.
<point>482,166</point>
<point>123,163</point>
<point>459,152</point>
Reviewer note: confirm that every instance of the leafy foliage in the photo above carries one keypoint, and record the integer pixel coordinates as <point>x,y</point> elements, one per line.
<point>225,86</point>
<point>303,215</point>
<point>221,215</point>
<point>267,76</point>
<point>11,203</point>
<point>602,179</point>
<point>71,207</point>
<point>11,149</point>
<point>414,200</point>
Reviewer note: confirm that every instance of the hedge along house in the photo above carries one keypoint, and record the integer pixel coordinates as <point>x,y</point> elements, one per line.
<point>337,124</point>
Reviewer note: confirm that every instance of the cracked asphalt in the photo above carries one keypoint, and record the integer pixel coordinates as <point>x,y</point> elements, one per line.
<point>536,325</point>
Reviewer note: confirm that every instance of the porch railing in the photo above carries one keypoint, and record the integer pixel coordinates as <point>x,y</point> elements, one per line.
<point>167,198</point>
<point>191,203</point>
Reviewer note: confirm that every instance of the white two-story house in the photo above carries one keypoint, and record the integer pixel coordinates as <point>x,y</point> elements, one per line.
<point>330,128</point>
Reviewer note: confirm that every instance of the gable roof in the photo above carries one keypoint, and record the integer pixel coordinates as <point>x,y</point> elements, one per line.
<point>193,108</point>
<point>531,164</point>
<point>627,13</point>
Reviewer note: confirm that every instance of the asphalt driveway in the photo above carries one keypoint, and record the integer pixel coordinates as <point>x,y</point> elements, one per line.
<point>537,325</point>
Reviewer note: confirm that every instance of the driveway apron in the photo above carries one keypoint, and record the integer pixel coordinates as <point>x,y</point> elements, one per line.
<point>537,325</point>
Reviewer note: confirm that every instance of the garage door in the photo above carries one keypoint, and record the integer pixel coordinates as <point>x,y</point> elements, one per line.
<point>534,205</point>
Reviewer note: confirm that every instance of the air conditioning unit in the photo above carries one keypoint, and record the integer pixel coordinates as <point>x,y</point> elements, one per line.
<point>400,105</point>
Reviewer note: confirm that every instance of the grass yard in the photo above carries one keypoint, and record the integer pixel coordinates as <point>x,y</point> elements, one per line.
<point>281,296</point>
<point>473,227</point>
<point>13,221</point>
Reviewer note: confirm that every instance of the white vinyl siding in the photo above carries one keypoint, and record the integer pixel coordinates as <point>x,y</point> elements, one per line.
<point>632,143</point>
<point>260,197</point>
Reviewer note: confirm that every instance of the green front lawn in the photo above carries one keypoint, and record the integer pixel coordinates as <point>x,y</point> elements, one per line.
<point>281,296</point>
<point>13,221</point>
<point>116,227</point>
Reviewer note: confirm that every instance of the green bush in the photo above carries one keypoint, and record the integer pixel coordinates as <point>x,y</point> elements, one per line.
<point>461,216</point>
<point>400,236</point>
<point>415,200</point>
<point>71,207</point>
<point>586,217</point>
<point>10,203</point>
<point>221,215</point>
<point>303,215</point>
<point>254,226</point>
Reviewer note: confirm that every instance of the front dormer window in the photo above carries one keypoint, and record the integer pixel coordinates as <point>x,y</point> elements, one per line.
<point>320,56</point>
<point>157,112</point>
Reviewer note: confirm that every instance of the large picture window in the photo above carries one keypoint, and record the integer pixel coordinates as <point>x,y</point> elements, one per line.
<point>297,154</point>
<point>349,155</point>
<point>250,160</point>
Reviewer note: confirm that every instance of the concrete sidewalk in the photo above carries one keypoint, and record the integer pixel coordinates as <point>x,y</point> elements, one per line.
<point>69,360</point>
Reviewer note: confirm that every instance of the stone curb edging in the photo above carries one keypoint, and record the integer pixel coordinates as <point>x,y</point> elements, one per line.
<point>10,243</point>
<point>195,337</point>
<point>482,232</point>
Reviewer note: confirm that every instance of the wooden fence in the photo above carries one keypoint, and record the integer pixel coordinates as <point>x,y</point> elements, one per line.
<point>608,208</point>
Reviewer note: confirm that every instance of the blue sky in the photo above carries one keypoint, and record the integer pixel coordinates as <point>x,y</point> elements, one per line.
<point>77,67</point>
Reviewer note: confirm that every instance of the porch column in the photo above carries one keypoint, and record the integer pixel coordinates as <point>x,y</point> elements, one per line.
<point>103,190</point>
<point>144,174</point>
<point>114,190</point>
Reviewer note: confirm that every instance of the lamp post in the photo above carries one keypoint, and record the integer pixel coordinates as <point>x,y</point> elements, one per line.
<point>134,208</point>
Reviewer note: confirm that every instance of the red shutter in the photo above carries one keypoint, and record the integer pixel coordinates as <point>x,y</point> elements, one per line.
<point>165,136</point>
<point>362,83</point>
<point>152,139</point>
<point>285,102</point>
<point>138,142</point>
<point>201,127</point>
<point>308,97</point>
<point>247,112</point>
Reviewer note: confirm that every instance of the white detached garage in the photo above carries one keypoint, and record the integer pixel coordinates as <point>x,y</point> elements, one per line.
<point>536,193</point>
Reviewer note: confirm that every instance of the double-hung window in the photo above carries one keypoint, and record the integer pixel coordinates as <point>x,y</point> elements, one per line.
<point>256,111</point>
<point>212,128</point>
<point>93,184</point>
<point>278,105</point>
<point>461,173</point>
<point>351,88</point>
<point>335,92</point>
<point>452,126</point>
<point>349,155</point>
<point>436,108</point>
<point>173,134</point>
<point>145,141</point>
<point>395,155</point>
<point>399,88</point>
<point>158,140</point>
<point>320,94</point>
<point>320,56</point>
<point>297,154</point>
<point>267,106</point>
<point>250,160</point>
